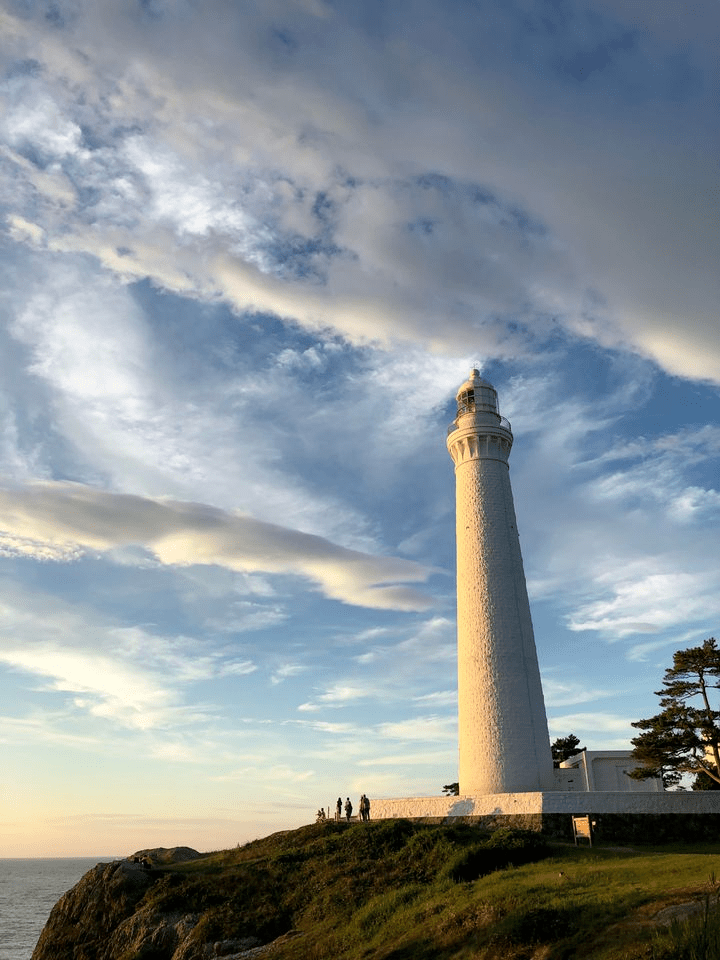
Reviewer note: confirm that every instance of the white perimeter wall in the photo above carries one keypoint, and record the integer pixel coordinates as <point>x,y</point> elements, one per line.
<point>527,803</point>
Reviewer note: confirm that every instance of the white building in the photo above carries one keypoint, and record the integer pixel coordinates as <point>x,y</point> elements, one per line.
<point>603,771</point>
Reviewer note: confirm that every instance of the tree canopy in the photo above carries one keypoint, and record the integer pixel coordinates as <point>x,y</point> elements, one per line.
<point>564,747</point>
<point>685,736</point>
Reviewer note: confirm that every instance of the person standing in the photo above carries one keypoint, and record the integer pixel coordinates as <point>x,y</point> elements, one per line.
<point>338,808</point>
<point>348,808</point>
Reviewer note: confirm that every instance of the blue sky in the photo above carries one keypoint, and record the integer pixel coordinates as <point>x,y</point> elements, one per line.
<point>249,252</point>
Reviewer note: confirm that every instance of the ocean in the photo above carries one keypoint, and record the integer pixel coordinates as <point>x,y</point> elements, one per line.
<point>29,889</point>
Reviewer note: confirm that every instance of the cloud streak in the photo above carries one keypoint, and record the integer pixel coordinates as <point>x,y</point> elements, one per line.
<point>60,519</point>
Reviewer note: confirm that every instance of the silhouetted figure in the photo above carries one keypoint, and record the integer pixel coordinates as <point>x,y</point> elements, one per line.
<point>338,808</point>
<point>348,808</point>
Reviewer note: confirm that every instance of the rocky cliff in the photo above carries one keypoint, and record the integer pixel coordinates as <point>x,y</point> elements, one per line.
<point>103,917</point>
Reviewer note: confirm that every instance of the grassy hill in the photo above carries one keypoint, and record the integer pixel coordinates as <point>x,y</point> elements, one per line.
<point>392,890</point>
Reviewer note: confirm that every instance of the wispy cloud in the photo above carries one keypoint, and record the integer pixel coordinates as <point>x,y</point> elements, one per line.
<point>590,725</point>
<point>71,516</point>
<point>421,728</point>
<point>130,677</point>
<point>566,692</point>
<point>631,547</point>
<point>287,670</point>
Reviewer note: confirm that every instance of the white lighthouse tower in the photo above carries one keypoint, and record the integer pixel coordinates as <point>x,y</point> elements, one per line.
<point>504,745</point>
<point>506,771</point>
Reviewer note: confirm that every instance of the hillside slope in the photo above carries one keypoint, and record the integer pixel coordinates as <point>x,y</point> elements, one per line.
<point>389,890</point>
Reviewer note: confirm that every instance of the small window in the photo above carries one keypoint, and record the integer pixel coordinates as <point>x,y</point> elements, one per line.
<point>466,402</point>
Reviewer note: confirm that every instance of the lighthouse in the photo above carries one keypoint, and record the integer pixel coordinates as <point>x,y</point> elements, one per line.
<point>506,772</point>
<point>503,739</point>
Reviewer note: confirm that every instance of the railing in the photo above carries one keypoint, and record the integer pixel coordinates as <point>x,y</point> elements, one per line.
<point>503,423</point>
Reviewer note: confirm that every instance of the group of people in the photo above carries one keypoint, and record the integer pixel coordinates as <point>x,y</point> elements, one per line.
<point>363,810</point>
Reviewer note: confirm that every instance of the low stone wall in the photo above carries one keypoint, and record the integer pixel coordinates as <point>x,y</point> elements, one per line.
<point>619,817</point>
<point>497,804</point>
<point>442,807</point>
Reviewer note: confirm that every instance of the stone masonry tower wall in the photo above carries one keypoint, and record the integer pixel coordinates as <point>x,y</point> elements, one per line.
<point>504,745</point>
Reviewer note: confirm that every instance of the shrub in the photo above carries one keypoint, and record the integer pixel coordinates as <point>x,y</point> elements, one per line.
<point>505,847</point>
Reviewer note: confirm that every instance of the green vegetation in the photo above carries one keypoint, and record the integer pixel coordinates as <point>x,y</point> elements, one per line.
<point>685,736</point>
<point>565,747</point>
<point>393,890</point>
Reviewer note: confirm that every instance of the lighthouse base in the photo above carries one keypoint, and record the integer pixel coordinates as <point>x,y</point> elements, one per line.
<point>620,817</point>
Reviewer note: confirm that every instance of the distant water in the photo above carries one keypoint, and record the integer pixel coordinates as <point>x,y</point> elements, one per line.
<point>29,889</point>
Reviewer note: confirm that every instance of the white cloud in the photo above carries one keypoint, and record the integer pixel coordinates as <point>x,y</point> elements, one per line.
<point>561,693</point>
<point>587,724</point>
<point>340,694</point>
<point>422,656</point>
<point>126,411</point>
<point>39,120</point>
<point>287,670</point>
<point>427,728</point>
<point>440,698</point>
<point>650,603</point>
<point>422,221</point>
<point>71,516</point>
<point>639,651</point>
<point>435,759</point>
<point>102,685</point>
<point>432,641</point>
<point>130,676</point>
<point>21,229</point>
<point>242,616</point>
<point>621,552</point>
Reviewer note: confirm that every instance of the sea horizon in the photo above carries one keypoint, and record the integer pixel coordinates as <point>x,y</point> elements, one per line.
<point>29,889</point>
<point>70,856</point>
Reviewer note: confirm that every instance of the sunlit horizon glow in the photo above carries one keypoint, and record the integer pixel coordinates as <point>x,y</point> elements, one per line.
<point>249,255</point>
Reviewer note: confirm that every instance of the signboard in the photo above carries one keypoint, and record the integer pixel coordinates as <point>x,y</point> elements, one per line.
<point>582,829</point>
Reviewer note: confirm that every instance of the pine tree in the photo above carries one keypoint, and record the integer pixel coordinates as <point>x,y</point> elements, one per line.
<point>564,747</point>
<point>685,736</point>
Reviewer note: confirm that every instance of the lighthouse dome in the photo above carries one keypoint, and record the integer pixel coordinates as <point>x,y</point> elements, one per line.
<point>476,395</point>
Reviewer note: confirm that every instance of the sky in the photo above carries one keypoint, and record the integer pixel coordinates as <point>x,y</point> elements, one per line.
<point>249,252</point>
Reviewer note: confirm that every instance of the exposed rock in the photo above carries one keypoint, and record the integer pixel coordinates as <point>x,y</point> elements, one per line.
<point>228,948</point>
<point>165,855</point>
<point>250,948</point>
<point>102,917</point>
<point>83,920</point>
<point>678,911</point>
<point>149,933</point>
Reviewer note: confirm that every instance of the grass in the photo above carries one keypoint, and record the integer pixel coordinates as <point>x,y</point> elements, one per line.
<point>393,890</point>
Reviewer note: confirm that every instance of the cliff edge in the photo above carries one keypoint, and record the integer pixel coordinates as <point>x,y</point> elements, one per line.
<point>103,917</point>
<point>388,890</point>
